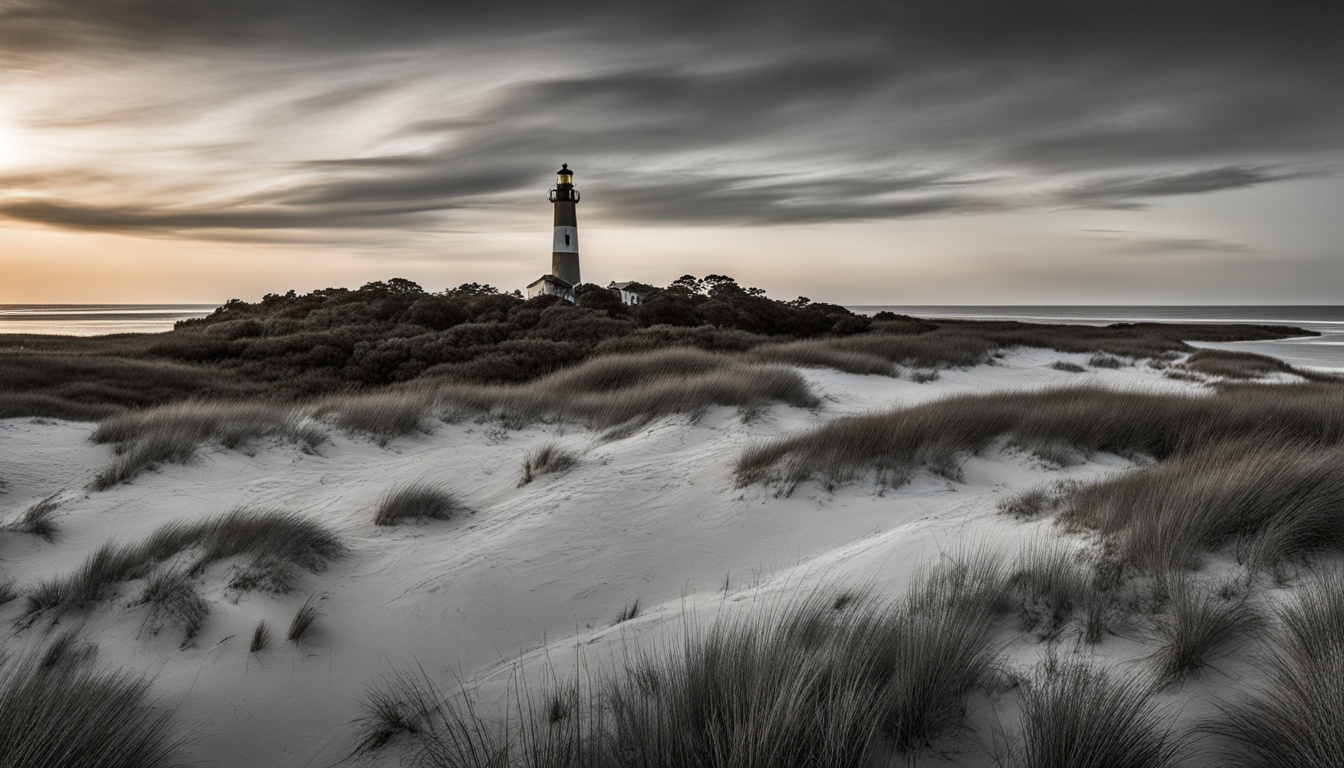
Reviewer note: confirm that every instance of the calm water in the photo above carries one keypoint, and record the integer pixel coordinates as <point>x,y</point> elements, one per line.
<point>1324,351</point>
<point>96,319</point>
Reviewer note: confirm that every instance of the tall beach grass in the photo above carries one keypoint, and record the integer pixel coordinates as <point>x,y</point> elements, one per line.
<point>894,443</point>
<point>274,543</point>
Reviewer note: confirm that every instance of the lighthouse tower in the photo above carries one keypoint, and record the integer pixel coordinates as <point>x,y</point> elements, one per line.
<point>565,248</point>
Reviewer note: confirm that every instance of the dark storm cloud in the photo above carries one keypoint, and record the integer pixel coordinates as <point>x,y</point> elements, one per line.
<point>730,114</point>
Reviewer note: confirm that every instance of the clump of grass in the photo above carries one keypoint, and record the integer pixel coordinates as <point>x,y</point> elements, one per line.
<point>1200,626</point>
<point>398,705</point>
<point>304,618</point>
<point>627,613</point>
<point>1075,715</point>
<point>171,596</point>
<point>924,377</point>
<point>171,434</point>
<point>36,519</point>
<point>1050,587</point>
<point>1038,500</point>
<point>417,500</point>
<point>65,714</point>
<point>1179,375</point>
<point>1235,365</point>
<point>275,541</point>
<point>1105,361</point>
<point>1067,367</point>
<point>261,637</point>
<point>383,415</point>
<point>548,459</point>
<point>1297,718</point>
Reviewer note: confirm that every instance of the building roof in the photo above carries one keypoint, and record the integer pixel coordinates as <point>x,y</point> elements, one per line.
<point>631,287</point>
<point>552,279</point>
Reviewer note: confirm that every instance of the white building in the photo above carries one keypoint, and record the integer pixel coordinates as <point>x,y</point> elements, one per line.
<point>550,285</point>
<point>631,293</point>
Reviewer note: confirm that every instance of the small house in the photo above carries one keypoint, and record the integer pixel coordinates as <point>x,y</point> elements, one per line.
<point>631,293</point>
<point>550,285</point>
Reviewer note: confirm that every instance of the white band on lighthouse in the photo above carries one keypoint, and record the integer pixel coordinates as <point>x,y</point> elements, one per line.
<point>566,240</point>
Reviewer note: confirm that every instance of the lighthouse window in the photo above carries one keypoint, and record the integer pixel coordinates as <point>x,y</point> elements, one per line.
<point>564,179</point>
<point>566,239</point>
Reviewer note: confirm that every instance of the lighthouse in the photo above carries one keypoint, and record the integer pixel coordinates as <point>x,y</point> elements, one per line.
<point>564,274</point>
<point>565,245</point>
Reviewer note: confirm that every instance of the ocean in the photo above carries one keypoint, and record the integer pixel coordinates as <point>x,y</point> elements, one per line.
<point>96,319</point>
<point>1324,351</point>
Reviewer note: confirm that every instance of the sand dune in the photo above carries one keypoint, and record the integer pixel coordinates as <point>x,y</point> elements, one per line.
<point>533,572</point>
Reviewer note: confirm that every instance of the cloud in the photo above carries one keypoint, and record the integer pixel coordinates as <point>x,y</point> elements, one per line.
<point>313,114</point>
<point>1129,192</point>
<point>1148,243</point>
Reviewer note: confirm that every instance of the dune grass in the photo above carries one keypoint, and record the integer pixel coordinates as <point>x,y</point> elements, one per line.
<point>417,500</point>
<point>383,416</point>
<point>36,519</point>
<point>1200,627</point>
<point>9,589</point>
<point>824,354</point>
<point>172,434</point>
<point>90,379</point>
<point>1279,501</point>
<point>1068,367</point>
<point>172,597</point>
<point>546,459</point>
<point>820,681</point>
<point>601,392</point>
<point>1050,586</point>
<point>1230,364</point>
<point>1297,718</point>
<point>303,621</point>
<point>1038,500</point>
<point>59,711</point>
<point>893,444</point>
<point>261,637</point>
<point>615,389</point>
<point>275,542</point>
<point>1079,716</point>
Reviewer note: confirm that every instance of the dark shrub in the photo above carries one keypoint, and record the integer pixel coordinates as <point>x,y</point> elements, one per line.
<point>436,313</point>
<point>667,309</point>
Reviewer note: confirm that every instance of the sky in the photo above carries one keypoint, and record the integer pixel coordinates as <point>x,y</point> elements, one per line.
<point>895,152</point>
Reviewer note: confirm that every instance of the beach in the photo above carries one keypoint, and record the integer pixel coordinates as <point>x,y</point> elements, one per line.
<point>535,578</point>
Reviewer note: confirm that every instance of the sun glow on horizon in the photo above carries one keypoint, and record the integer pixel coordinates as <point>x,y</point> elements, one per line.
<point>12,143</point>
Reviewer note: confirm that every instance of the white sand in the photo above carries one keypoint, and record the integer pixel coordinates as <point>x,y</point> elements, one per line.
<point>536,570</point>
